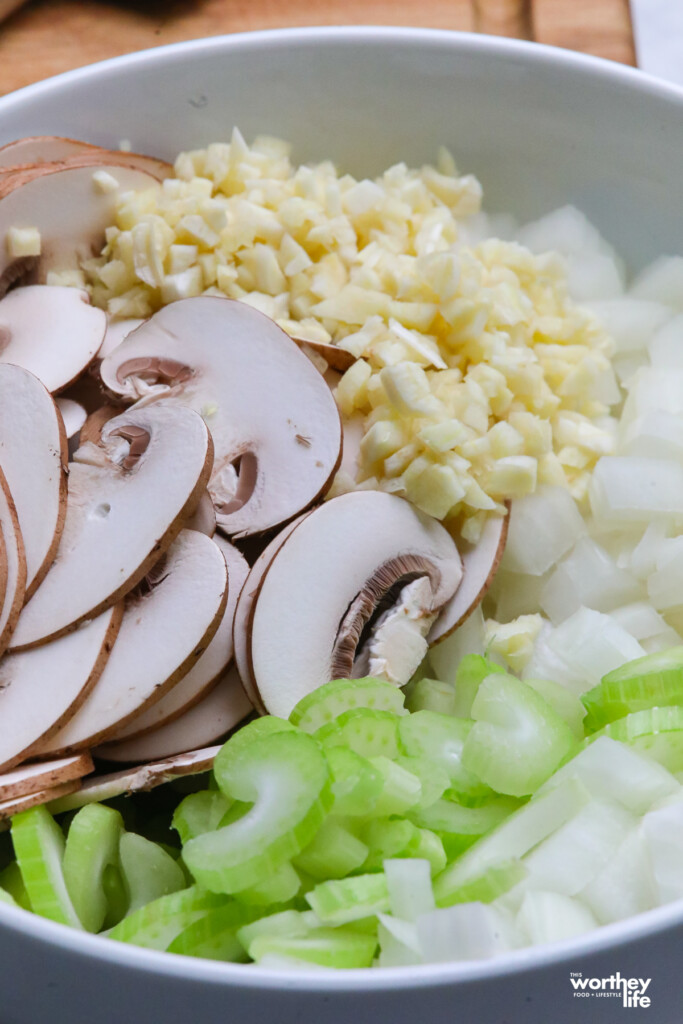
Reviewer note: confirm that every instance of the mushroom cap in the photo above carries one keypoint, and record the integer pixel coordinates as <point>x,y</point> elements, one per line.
<point>40,689</point>
<point>164,633</point>
<point>219,711</point>
<point>73,415</point>
<point>13,559</point>
<point>204,518</point>
<point>33,456</point>
<point>50,330</point>
<point>326,582</point>
<point>268,408</point>
<point>480,563</point>
<point>121,515</point>
<point>30,778</point>
<point>336,358</point>
<point>189,690</point>
<point>8,808</point>
<point>39,149</point>
<point>117,331</point>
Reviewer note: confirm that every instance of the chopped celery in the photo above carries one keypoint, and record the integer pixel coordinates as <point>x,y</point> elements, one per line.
<point>454,819</point>
<point>440,739</point>
<point>214,935</point>
<point>567,705</point>
<point>401,789</point>
<point>517,740</point>
<point>356,784</point>
<point>241,740</point>
<point>333,853</point>
<point>349,899</point>
<point>487,887</point>
<point>148,871</point>
<point>471,672</point>
<point>430,848</point>
<point>200,812</point>
<point>327,947</point>
<point>39,846</point>
<point>285,922</point>
<point>389,837</point>
<point>157,924</point>
<point>367,732</point>
<point>285,776</point>
<point>328,702</point>
<point>12,883</point>
<point>432,695</point>
<point>92,845</point>
<point>653,681</point>
<point>5,897</point>
<point>655,732</point>
<point>280,886</point>
<point>434,780</point>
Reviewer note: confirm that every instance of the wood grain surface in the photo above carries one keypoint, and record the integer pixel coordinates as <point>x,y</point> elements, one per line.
<point>46,37</point>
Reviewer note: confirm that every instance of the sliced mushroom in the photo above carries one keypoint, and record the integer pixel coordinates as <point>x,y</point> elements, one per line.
<point>73,415</point>
<point>13,566</point>
<point>345,564</point>
<point>8,808</point>
<point>217,713</point>
<point>91,431</point>
<point>207,670</point>
<point>70,212</point>
<point>50,330</point>
<point>3,568</point>
<point>165,630</point>
<point>117,331</point>
<point>40,689</point>
<point>33,456</point>
<point>336,358</point>
<point>31,778</point>
<point>136,780</point>
<point>480,563</point>
<point>204,519</point>
<point>19,174</point>
<point>39,149</point>
<point>245,601</point>
<point>127,501</point>
<point>274,422</point>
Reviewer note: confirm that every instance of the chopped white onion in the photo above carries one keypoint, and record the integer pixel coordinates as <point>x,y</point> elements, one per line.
<point>543,527</point>
<point>409,882</point>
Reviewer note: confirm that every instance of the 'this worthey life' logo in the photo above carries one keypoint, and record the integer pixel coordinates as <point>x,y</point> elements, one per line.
<point>631,991</point>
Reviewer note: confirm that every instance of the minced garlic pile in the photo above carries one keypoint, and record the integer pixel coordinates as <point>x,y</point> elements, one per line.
<point>476,375</point>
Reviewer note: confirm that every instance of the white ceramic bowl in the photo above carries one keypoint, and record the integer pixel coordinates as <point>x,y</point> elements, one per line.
<point>540,127</point>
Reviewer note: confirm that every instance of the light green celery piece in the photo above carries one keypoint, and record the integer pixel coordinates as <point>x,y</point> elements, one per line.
<point>148,871</point>
<point>401,788</point>
<point>367,732</point>
<point>116,895</point>
<point>356,785</point>
<point>286,778</point>
<point>285,922</point>
<point>200,812</point>
<point>39,848</point>
<point>567,705</point>
<point>327,947</point>
<point>334,852</point>
<point>232,749</point>
<point>280,886</point>
<point>432,695</point>
<point>653,681</point>
<point>440,738</point>
<point>5,897</point>
<point>430,848</point>
<point>655,732</point>
<point>92,845</point>
<point>157,924</point>
<point>13,884</point>
<point>433,778</point>
<point>517,740</point>
<point>519,833</point>
<point>447,816</point>
<point>488,886</point>
<point>389,837</point>
<point>213,936</point>
<point>471,672</point>
<point>328,702</point>
<point>349,899</point>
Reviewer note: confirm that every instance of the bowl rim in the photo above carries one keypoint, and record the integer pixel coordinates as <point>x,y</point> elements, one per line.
<point>607,938</point>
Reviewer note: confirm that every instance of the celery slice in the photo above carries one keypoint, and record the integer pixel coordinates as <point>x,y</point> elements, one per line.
<point>148,871</point>
<point>327,947</point>
<point>157,924</point>
<point>281,885</point>
<point>471,672</point>
<point>430,848</point>
<point>433,778</point>
<point>367,732</point>
<point>285,776</point>
<point>328,702</point>
<point>401,788</point>
<point>334,852</point>
<point>39,847</point>
<point>356,785</point>
<point>92,845</point>
<point>349,899</point>
<point>389,837</point>
<point>567,705</point>
<point>214,935</point>
<point>5,897</point>
<point>517,740</point>
<point>241,740</point>
<point>441,739</point>
<point>653,681</point>
<point>285,922</point>
<point>12,883</point>
<point>200,812</point>
<point>432,695</point>
<point>488,886</point>
<point>655,732</point>
<point>454,819</point>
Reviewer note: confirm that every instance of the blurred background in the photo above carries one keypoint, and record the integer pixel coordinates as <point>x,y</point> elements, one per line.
<point>39,38</point>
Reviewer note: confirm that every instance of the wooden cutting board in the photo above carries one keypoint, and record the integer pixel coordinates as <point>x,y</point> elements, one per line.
<point>45,37</point>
